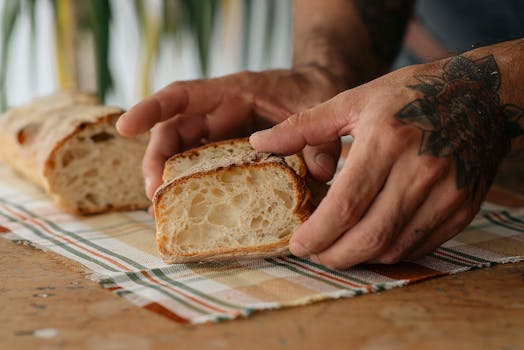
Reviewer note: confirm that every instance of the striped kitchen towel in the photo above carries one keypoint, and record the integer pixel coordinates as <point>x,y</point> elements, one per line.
<point>119,251</point>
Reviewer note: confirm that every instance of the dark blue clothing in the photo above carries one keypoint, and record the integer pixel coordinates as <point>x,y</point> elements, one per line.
<point>460,25</point>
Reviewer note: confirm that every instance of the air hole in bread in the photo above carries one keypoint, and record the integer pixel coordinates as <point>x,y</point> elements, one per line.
<point>255,222</point>
<point>93,198</point>
<point>227,177</point>
<point>102,137</point>
<point>91,173</point>
<point>27,133</point>
<point>67,158</point>
<point>217,193</point>
<point>240,200</point>
<point>224,215</point>
<point>73,154</point>
<point>286,198</point>
<point>284,233</point>
<point>197,206</point>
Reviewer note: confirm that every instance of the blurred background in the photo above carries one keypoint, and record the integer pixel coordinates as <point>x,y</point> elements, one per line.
<point>125,49</point>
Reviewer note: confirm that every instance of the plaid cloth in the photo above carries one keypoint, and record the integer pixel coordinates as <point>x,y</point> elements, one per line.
<point>119,251</point>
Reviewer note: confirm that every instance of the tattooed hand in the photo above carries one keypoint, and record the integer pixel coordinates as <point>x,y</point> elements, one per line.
<point>427,143</point>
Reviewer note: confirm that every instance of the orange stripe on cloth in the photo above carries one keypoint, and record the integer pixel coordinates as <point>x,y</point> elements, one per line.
<point>327,275</point>
<point>4,229</point>
<point>159,309</point>
<point>405,271</point>
<point>65,239</point>
<point>187,296</point>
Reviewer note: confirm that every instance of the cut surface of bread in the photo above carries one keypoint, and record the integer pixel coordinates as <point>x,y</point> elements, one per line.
<point>68,145</point>
<point>237,211</point>
<point>219,154</point>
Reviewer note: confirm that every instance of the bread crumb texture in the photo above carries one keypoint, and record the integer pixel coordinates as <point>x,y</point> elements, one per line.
<point>225,200</point>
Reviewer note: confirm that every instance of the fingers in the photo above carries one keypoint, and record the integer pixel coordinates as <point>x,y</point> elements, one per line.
<point>406,188</point>
<point>346,201</point>
<point>194,97</point>
<point>322,160</point>
<point>447,230</point>
<point>163,143</point>
<point>321,124</point>
<point>439,206</point>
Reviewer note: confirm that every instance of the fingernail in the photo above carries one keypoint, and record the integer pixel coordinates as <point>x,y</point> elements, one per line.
<point>325,162</point>
<point>298,249</point>
<point>314,258</point>
<point>147,183</point>
<point>117,125</point>
<point>261,133</point>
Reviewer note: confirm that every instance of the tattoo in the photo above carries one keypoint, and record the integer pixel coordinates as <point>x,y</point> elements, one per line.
<point>461,116</point>
<point>386,22</point>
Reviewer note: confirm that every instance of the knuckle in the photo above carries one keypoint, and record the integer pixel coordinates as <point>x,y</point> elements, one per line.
<point>391,146</point>
<point>390,258</point>
<point>431,170</point>
<point>331,262</point>
<point>346,210</point>
<point>295,120</point>
<point>374,243</point>
<point>464,217</point>
<point>399,138</point>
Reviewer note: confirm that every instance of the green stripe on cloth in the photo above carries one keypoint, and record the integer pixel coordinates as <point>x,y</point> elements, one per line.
<point>330,271</point>
<point>75,236</point>
<point>58,243</point>
<point>310,275</point>
<point>501,223</point>
<point>196,293</point>
<point>164,277</point>
<point>134,277</point>
<point>468,256</point>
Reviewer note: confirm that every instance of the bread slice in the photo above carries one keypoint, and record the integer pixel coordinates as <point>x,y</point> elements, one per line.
<point>220,154</point>
<point>68,145</point>
<point>237,211</point>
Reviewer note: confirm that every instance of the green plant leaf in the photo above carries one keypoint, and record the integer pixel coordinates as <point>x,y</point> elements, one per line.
<point>269,29</point>
<point>151,29</point>
<point>201,15</point>
<point>246,27</point>
<point>31,5</point>
<point>170,9</point>
<point>100,20</point>
<point>10,13</point>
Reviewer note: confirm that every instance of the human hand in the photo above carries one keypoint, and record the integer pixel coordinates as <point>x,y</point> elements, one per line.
<point>189,113</point>
<point>427,142</point>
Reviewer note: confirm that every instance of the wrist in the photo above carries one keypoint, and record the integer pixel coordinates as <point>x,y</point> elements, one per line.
<point>323,77</point>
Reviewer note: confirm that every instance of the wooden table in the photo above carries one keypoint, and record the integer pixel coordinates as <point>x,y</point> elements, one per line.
<point>46,302</point>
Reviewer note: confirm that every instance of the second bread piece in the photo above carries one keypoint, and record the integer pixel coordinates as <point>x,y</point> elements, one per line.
<point>225,200</point>
<point>247,210</point>
<point>219,154</point>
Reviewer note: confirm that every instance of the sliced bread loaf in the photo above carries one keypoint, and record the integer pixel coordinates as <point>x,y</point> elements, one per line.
<point>224,200</point>
<point>68,145</point>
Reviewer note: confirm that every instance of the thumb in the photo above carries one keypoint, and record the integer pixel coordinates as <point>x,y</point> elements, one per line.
<point>322,160</point>
<point>319,125</point>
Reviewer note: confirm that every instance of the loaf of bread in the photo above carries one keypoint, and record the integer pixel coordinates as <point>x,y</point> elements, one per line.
<point>68,145</point>
<point>225,200</point>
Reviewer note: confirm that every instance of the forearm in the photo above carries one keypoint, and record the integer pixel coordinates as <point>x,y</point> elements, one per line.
<point>352,41</point>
